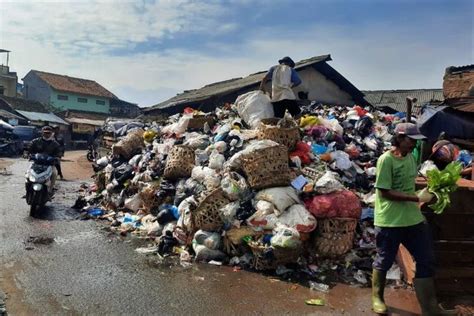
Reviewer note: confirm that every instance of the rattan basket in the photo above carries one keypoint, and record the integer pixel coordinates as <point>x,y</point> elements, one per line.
<point>288,137</point>
<point>198,121</point>
<point>269,258</point>
<point>335,236</point>
<point>267,167</point>
<point>180,162</point>
<point>207,215</point>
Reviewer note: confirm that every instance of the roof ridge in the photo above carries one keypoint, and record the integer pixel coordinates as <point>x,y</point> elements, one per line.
<point>59,75</point>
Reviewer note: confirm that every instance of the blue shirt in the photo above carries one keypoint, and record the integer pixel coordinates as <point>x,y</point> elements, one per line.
<point>295,79</point>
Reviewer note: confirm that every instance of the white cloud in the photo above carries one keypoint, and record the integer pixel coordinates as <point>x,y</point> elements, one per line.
<point>76,39</point>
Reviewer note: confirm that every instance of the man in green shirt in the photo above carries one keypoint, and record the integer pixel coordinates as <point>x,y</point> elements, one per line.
<point>398,220</point>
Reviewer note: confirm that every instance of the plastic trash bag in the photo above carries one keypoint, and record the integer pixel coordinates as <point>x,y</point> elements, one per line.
<point>285,237</point>
<point>427,166</point>
<point>234,186</point>
<point>342,159</point>
<point>209,239</point>
<point>229,212</point>
<point>134,203</point>
<point>253,107</point>
<point>299,218</point>
<point>281,197</point>
<point>328,183</point>
<point>216,160</point>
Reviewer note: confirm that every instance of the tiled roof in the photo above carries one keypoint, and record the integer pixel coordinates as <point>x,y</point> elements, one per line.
<point>74,85</point>
<point>228,86</point>
<point>24,104</point>
<point>396,99</point>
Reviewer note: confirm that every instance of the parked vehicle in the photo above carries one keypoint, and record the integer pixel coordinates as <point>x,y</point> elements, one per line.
<point>26,134</point>
<point>38,184</point>
<point>10,144</point>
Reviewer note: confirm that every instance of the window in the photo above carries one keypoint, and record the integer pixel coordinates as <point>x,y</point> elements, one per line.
<point>2,90</point>
<point>100,102</point>
<point>63,97</point>
<point>82,100</point>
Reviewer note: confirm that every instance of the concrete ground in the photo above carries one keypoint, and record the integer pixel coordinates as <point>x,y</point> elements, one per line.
<point>59,265</point>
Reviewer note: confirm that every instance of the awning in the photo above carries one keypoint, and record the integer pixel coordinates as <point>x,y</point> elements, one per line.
<point>43,117</point>
<point>77,120</point>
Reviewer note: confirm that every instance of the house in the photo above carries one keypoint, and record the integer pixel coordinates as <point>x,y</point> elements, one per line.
<point>322,83</point>
<point>8,79</point>
<point>67,93</point>
<point>121,108</point>
<point>392,101</point>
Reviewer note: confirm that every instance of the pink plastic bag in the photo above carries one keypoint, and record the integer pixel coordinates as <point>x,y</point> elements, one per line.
<point>338,204</point>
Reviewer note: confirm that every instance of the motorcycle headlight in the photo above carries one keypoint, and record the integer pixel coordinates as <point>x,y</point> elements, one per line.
<point>32,178</point>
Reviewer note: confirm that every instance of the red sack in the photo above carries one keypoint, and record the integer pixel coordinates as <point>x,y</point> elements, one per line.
<point>302,151</point>
<point>338,204</point>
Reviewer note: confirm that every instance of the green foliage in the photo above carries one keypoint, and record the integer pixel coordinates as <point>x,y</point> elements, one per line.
<point>442,183</point>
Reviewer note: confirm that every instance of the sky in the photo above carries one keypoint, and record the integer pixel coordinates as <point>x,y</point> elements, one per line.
<point>148,51</point>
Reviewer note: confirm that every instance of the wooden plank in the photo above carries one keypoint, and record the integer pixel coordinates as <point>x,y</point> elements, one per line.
<point>406,264</point>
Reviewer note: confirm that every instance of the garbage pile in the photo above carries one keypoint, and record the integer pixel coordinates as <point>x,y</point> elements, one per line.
<point>239,187</point>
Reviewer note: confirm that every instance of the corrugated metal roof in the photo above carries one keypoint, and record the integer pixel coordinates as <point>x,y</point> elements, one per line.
<point>229,85</point>
<point>10,115</point>
<point>85,121</point>
<point>396,99</point>
<point>43,117</point>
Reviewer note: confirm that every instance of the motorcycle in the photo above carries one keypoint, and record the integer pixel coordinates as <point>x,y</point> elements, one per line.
<point>92,153</point>
<point>38,184</point>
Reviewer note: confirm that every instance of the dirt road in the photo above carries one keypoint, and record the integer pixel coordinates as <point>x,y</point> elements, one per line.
<point>60,265</point>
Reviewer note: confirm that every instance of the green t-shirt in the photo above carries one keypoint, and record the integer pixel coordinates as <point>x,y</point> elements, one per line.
<point>394,173</point>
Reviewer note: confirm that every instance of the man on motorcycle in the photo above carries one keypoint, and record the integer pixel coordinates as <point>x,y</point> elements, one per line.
<point>46,144</point>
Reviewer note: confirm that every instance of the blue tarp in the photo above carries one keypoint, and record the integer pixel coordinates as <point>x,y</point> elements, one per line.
<point>454,123</point>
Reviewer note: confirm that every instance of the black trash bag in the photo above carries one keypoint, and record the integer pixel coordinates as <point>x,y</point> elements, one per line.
<point>165,216</point>
<point>245,210</point>
<point>167,242</point>
<point>123,173</point>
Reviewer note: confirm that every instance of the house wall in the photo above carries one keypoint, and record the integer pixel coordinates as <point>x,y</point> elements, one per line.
<point>8,81</point>
<point>72,104</point>
<point>321,89</point>
<point>35,88</point>
<point>458,85</point>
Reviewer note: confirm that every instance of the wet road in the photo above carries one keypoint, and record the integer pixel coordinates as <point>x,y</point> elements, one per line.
<point>77,267</point>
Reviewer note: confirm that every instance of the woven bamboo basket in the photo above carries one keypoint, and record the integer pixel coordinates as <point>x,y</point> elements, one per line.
<point>129,145</point>
<point>269,258</point>
<point>207,215</point>
<point>180,162</point>
<point>288,137</point>
<point>267,167</point>
<point>335,236</point>
<point>198,121</point>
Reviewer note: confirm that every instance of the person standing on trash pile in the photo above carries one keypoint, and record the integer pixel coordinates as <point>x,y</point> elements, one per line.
<point>284,77</point>
<point>47,145</point>
<point>398,220</point>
